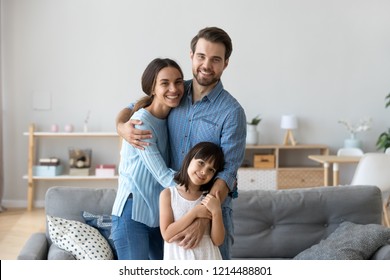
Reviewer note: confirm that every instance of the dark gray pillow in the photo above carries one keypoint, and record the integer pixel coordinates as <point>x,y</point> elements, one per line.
<point>348,242</point>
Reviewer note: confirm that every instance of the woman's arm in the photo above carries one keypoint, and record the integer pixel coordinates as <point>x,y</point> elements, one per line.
<point>168,226</point>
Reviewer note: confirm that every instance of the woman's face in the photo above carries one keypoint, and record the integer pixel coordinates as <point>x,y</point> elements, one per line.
<point>169,87</point>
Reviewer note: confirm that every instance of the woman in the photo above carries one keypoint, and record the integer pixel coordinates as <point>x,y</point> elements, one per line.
<point>143,174</point>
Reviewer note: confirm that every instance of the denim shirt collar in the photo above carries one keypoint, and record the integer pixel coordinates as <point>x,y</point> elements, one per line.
<point>211,96</point>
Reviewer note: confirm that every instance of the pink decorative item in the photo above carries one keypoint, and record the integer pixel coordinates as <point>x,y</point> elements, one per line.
<point>54,128</point>
<point>69,128</point>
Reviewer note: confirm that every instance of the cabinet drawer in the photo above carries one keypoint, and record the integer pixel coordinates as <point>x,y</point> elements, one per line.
<point>255,179</point>
<point>300,178</point>
<point>264,161</point>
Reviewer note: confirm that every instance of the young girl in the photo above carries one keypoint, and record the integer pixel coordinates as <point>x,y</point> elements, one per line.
<point>182,204</point>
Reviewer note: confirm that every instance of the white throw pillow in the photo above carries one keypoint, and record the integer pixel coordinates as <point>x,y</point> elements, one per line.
<point>81,240</point>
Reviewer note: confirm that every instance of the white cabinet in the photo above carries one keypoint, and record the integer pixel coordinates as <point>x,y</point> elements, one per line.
<point>255,178</point>
<point>33,137</point>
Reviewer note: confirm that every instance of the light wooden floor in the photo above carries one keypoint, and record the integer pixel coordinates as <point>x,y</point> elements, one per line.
<point>16,226</point>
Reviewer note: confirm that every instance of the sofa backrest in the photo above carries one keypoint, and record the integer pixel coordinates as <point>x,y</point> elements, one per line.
<point>70,202</point>
<point>282,223</point>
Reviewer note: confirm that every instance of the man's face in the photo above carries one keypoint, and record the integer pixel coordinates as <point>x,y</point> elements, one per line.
<point>208,62</point>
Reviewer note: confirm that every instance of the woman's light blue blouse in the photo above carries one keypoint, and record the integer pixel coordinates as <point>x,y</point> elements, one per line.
<point>144,173</point>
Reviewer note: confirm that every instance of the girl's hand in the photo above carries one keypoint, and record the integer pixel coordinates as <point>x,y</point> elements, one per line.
<point>212,203</point>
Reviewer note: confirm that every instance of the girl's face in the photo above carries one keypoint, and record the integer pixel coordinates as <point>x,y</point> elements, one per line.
<point>169,88</point>
<point>201,172</point>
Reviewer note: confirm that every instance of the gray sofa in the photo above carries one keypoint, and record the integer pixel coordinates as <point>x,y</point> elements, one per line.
<point>68,203</point>
<point>315,223</point>
<point>268,224</point>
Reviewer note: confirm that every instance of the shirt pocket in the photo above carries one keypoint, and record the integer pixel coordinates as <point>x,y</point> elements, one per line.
<point>208,130</point>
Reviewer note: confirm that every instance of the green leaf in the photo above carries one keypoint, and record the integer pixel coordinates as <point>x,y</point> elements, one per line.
<point>255,121</point>
<point>388,100</point>
<point>383,141</point>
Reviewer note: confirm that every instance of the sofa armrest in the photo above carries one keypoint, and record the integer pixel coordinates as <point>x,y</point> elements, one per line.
<point>383,253</point>
<point>35,248</point>
<point>56,253</point>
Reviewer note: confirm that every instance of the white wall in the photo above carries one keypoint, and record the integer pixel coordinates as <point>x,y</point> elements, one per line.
<point>322,60</point>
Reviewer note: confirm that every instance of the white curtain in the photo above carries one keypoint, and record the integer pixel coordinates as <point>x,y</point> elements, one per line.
<point>1,143</point>
<point>1,123</point>
<point>1,140</point>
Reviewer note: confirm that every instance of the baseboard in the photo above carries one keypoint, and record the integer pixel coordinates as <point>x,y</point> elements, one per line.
<point>21,203</point>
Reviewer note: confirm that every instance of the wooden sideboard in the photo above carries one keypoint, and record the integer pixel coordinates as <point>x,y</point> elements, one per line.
<point>281,167</point>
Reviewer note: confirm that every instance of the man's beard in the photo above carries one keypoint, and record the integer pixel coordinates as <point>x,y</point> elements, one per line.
<point>206,82</point>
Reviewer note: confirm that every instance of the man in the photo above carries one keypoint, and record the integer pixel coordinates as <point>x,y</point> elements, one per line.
<point>207,112</point>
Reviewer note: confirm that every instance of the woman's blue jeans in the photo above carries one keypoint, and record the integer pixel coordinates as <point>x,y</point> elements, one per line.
<point>134,240</point>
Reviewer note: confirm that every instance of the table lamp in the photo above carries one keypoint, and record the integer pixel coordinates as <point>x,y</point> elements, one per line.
<point>289,122</point>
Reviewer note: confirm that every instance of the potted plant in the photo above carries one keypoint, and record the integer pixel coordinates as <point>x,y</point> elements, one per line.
<point>251,130</point>
<point>383,141</point>
<point>255,121</point>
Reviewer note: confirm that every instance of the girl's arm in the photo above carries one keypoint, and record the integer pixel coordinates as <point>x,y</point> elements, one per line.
<point>213,204</point>
<point>168,226</point>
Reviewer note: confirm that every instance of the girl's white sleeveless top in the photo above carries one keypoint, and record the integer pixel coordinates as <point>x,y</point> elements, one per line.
<point>206,250</point>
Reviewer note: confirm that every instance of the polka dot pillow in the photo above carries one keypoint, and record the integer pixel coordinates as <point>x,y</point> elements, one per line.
<point>81,240</point>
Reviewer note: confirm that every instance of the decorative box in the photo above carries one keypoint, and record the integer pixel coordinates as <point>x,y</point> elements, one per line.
<point>105,170</point>
<point>79,171</point>
<point>264,161</point>
<point>47,171</point>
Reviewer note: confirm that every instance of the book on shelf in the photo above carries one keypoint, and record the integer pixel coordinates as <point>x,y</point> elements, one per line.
<point>52,161</point>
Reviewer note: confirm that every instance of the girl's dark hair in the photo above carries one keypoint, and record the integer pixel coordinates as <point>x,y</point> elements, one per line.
<point>214,35</point>
<point>148,80</point>
<point>205,151</point>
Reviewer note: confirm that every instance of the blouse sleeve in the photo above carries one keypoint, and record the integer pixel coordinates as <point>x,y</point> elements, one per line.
<point>154,161</point>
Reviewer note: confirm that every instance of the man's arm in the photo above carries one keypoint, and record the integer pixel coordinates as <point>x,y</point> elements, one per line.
<point>125,127</point>
<point>221,187</point>
<point>233,146</point>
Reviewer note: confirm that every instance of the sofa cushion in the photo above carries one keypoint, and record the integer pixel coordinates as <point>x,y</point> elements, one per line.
<point>56,253</point>
<point>103,224</point>
<point>348,242</point>
<point>283,223</point>
<point>82,240</point>
<point>70,202</point>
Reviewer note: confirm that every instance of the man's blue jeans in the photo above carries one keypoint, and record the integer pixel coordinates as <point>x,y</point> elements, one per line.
<point>134,240</point>
<point>226,247</point>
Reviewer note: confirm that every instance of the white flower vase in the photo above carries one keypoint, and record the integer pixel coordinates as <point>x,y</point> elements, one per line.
<point>251,134</point>
<point>352,142</point>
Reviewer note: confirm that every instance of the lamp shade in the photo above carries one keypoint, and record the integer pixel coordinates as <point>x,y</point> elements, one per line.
<point>289,122</point>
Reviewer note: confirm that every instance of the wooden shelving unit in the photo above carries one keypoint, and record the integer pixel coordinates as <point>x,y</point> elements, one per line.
<point>291,167</point>
<point>32,143</point>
